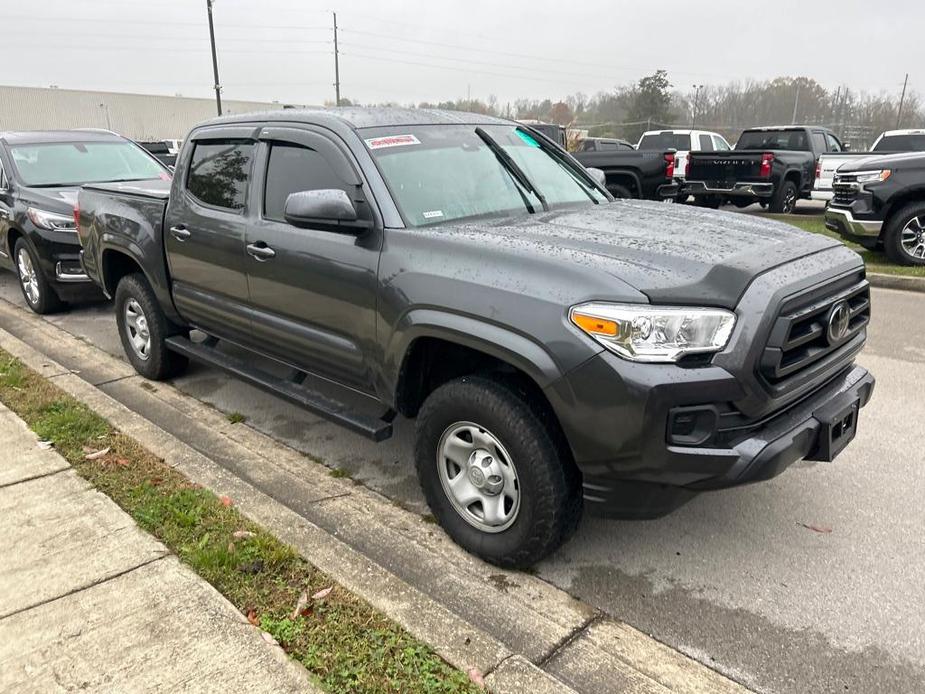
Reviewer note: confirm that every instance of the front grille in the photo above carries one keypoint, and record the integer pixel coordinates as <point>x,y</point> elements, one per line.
<point>845,189</point>
<point>801,336</point>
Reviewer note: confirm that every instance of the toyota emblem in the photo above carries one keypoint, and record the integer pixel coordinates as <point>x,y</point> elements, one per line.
<point>839,317</point>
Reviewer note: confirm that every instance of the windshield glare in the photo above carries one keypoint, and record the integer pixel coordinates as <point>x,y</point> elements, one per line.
<point>75,163</point>
<point>438,173</point>
<point>665,141</point>
<point>901,143</point>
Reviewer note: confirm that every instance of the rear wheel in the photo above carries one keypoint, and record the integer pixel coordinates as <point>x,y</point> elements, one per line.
<point>36,289</point>
<point>785,199</point>
<point>619,191</point>
<point>144,329</point>
<point>904,238</point>
<point>498,480</point>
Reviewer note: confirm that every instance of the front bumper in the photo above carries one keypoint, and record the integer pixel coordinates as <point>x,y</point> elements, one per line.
<point>842,220</point>
<point>59,260</point>
<point>739,189</point>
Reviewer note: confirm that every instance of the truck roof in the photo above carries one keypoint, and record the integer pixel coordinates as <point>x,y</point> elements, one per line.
<point>788,127</point>
<point>906,131</point>
<point>40,136</point>
<point>357,118</point>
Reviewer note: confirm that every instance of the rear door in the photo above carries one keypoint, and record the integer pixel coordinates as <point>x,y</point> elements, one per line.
<point>205,228</point>
<point>314,298</point>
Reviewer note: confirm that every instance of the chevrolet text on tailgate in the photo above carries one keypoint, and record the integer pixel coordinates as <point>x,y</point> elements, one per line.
<point>558,348</point>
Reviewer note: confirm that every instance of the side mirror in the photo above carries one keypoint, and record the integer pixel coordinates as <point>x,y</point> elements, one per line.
<point>846,147</point>
<point>308,207</point>
<point>599,176</point>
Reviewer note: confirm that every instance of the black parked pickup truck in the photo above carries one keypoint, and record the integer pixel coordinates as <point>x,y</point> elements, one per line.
<point>880,201</point>
<point>775,166</point>
<point>557,347</point>
<point>633,173</point>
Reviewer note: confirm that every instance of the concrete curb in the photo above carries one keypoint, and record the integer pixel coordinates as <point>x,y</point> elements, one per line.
<point>403,566</point>
<point>908,284</point>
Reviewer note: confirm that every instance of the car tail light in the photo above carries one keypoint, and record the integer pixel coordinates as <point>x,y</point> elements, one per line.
<point>77,217</point>
<point>818,170</point>
<point>669,165</point>
<point>766,160</point>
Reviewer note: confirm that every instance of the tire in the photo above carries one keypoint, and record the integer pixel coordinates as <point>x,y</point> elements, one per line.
<point>785,198</point>
<point>904,236</point>
<point>619,191</point>
<point>35,287</point>
<point>141,320</point>
<point>516,442</point>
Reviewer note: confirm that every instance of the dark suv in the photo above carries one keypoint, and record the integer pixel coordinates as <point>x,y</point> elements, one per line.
<point>40,173</point>
<point>557,347</point>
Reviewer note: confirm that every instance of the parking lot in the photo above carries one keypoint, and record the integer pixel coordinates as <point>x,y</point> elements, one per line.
<point>809,582</point>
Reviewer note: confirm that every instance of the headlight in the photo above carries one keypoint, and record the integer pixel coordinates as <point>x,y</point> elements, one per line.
<point>654,333</point>
<point>872,176</point>
<point>52,221</point>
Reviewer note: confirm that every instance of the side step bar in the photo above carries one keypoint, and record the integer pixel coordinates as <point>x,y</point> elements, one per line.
<point>291,390</point>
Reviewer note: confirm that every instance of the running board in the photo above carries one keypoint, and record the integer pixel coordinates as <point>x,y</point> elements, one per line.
<point>291,390</point>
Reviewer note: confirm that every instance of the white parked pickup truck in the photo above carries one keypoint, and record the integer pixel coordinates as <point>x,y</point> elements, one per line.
<point>685,141</point>
<point>892,141</point>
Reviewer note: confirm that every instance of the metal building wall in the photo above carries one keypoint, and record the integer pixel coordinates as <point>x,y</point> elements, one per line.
<point>138,116</point>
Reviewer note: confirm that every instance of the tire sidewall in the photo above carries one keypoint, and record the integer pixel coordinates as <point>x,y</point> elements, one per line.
<point>779,204</point>
<point>893,236</point>
<point>533,454</point>
<point>136,287</point>
<point>48,300</point>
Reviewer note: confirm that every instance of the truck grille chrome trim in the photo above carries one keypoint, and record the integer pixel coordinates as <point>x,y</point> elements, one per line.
<point>813,329</point>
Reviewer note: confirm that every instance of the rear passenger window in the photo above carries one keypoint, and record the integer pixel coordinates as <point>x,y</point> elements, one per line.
<point>219,173</point>
<point>292,169</point>
<point>819,142</point>
<point>706,143</point>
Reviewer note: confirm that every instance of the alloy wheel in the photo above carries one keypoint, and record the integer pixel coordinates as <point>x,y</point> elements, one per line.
<point>136,326</point>
<point>478,477</point>
<point>28,277</point>
<point>913,238</point>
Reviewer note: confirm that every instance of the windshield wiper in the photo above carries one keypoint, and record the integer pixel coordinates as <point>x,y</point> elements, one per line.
<point>556,156</point>
<point>512,168</point>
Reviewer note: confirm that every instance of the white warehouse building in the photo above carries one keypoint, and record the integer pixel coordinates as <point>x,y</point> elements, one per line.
<point>138,116</point>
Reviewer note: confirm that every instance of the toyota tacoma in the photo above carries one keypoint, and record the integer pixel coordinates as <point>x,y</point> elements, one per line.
<point>558,348</point>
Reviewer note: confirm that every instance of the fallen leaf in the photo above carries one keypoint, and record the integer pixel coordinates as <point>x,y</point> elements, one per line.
<point>825,530</point>
<point>96,455</point>
<point>252,617</point>
<point>242,534</point>
<point>323,593</point>
<point>122,462</point>
<point>45,445</point>
<point>269,638</point>
<point>226,500</point>
<point>300,604</point>
<point>476,676</point>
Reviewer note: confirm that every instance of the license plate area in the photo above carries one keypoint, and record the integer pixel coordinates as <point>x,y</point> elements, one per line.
<point>839,424</point>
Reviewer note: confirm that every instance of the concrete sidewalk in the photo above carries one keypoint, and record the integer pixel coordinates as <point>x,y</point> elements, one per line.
<point>89,601</point>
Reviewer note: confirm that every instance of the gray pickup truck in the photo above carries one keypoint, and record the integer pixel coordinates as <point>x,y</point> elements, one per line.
<point>559,349</point>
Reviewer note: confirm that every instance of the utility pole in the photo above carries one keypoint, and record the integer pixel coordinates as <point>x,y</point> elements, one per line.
<point>902,101</point>
<point>796,102</point>
<point>697,88</point>
<point>218,86</point>
<point>336,65</point>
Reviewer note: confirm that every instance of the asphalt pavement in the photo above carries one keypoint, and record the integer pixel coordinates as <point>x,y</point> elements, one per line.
<point>811,582</point>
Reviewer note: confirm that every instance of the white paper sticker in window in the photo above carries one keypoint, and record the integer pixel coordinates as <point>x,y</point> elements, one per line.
<point>432,214</point>
<point>391,141</point>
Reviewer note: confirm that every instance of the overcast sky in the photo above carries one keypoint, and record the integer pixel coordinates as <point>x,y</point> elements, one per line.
<point>439,49</point>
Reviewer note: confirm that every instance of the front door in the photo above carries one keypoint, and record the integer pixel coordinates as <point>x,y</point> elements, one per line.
<point>205,230</point>
<point>312,290</point>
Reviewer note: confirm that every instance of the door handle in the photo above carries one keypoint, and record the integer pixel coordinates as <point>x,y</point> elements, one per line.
<point>180,232</point>
<point>261,251</point>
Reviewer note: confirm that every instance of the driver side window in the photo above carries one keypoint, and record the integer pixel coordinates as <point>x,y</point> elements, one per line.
<point>293,168</point>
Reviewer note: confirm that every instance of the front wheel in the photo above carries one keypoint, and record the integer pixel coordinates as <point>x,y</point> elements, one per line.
<point>144,329</point>
<point>498,480</point>
<point>904,237</point>
<point>36,289</point>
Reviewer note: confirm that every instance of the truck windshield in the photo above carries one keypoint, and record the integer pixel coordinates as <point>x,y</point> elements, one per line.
<point>50,164</point>
<point>900,143</point>
<point>665,141</point>
<point>438,173</point>
<point>794,140</point>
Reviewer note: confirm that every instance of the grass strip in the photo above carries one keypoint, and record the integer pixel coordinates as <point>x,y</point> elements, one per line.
<point>346,644</point>
<point>876,261</point>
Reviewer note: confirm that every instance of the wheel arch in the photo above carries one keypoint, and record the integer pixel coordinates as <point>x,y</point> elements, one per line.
<point>899,201</point>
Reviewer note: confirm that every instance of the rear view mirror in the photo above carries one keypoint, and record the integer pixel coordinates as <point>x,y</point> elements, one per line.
<point>308,207</point>
<point>599,176</point>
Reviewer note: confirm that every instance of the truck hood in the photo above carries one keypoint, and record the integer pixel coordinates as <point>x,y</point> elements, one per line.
<point>671,253</point>
<point>866,162</point>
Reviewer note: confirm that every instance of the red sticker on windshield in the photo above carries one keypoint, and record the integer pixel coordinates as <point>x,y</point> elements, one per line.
<point>164,176</point>
<point>392,141</point>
